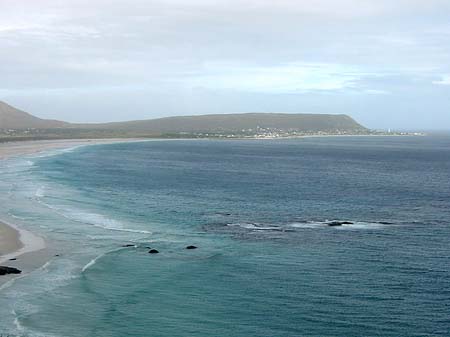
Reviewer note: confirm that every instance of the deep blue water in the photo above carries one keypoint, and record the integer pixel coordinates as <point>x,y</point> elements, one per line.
<point>267,264</point>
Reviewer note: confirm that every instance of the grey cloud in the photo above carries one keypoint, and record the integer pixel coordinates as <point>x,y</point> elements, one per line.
<point>147,56</point>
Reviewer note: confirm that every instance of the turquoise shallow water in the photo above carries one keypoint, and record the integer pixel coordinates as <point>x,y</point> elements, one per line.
<point>267,263</point>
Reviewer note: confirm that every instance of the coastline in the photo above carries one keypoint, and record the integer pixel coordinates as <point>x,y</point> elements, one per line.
<point>20,248</point>
<point>16,242</point>
<point>9,242</point>
<point>19,241</point>
<point>21,148</point>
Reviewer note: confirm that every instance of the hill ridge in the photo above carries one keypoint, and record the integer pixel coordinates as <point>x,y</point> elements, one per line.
<point>13,118</point>
<point>228,123</point>
<point>236,122</point>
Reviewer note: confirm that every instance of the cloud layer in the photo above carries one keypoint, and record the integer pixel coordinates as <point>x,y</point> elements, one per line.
<point>384,62</point>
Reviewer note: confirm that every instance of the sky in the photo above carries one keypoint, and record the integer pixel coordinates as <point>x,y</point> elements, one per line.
<point>384,62</point>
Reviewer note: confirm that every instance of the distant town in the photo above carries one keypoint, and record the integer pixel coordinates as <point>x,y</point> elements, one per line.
<point>270,133</point>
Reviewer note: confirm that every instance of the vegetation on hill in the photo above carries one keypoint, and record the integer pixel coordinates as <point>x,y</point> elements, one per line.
<point>19,125</point>
<point>12,118</point>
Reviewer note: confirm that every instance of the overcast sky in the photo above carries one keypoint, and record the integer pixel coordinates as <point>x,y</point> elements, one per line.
<point>384,62</point>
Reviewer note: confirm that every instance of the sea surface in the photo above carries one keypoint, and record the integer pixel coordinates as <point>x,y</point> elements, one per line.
<point>267,263</point>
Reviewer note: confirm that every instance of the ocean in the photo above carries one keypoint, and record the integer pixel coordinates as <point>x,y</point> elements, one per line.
<point>267,262</point>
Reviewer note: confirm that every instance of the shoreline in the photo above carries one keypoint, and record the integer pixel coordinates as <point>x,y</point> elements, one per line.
<point>20,248</point>
<point>9,242</point>
<point>24,242</point>
<point>17,242</point>
<point>15,149</point>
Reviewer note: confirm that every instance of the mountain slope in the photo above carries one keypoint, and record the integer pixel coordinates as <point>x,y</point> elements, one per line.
<point>15,123</point>
<point>12,118</point>
<point>237,122</point>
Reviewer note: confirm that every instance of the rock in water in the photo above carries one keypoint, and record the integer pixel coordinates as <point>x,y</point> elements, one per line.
<point>153,251</point>
<point>9,270</point>
<point>339,223</point>
<point>191,247</point>
<point>334,224</point>
<point>128,245</point>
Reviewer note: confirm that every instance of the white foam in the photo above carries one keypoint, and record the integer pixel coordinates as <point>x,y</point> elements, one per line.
<point>16,165</point>
<point>364,225</point>
<point>23,331</point>
<point>55,152</point>
<point>16,216</point>
<point>11,282</point>
<point>254,226</point>
<point>352,225</point>
<point>94,260</point>
<point>309,225</point>
<point>19,326</point>
<point>46,265</point>
<point>71,148</point>
<point>90,264</point>
<point>40,192</point>
<point>306,224</point>
<point>94,219</point>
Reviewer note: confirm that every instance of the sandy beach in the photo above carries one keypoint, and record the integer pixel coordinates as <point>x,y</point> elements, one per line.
<point>20,248</point>
<point>14,149</point>
<point>9,240</point>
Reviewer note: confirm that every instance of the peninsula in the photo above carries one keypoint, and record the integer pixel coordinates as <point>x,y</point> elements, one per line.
<point>20,125</point>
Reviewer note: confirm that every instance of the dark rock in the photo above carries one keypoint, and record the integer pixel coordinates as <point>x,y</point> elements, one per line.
<point>153,251</point>
<point>223,214</point>
<point>56,255</point>
<point>191,247</point>
<point>385,223</point>
<point>339,223</point>
<point>9,270</point>
<point>13,259</point>
<point>128,245</point>
<point>334,223</point>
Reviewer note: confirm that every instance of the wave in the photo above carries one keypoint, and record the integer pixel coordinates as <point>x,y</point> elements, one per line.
<point>24,331</point>
<point>94,260</point>
<point>94,219</point>
<point>15,166</point>
<point>335,224</point>
<point>19,327</point>
<point>306,224</point>
<point>40,192</point>
<point>10,282</point>
<point>55,152</point>
<point>14,216</point>
<point>91,263</point>
<point>255,226</point>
